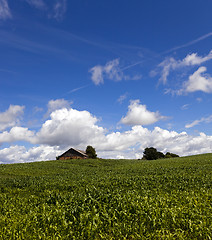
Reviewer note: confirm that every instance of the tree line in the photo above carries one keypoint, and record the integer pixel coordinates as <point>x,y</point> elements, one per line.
<point>152,154</point>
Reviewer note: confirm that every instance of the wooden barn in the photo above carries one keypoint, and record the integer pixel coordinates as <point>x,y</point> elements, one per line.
<point>73,153</point>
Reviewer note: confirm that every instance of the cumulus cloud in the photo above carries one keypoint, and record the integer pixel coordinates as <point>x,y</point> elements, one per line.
<point>170,64</point>
<point>68,127</point>
<point>112,71</point>
<point>131,144</point>
<point>16,134</point>
<point>179,143</point>
<point>5,12</point>
<point>128,144</point>
<point>19,154</point>
<point>198,82</point>
<point>11,116</point>
<point>139,115</point>
<point>196,122</point>
<point>97,74</point>
<point>57,104</point>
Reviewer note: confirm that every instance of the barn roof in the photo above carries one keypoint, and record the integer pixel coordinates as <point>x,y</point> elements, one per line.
<point>80,151</point>
<point>77,151</point>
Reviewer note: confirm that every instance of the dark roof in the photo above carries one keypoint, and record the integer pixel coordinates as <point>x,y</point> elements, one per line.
<point>82,152</point>
<point>77,151</point>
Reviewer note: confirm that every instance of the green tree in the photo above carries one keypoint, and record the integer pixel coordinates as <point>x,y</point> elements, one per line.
<point>91,152</point>
<point>171,155</point>
<point>160,155</point>
<point>150,153</point>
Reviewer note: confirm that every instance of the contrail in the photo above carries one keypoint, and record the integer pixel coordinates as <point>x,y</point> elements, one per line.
<point>132,65</point>
<point>79,88</point>
<point>189,43</point>
<point>172,49</point>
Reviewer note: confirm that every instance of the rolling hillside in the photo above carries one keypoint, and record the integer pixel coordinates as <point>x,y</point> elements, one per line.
<point>107,199</point>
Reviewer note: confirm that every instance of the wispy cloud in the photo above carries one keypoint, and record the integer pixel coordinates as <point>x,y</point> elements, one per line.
<point>27,45</point>
<point>111,70</point>
<point>122,98</point>
<point>170,64</point>
<point>5,12</point>
<point>37,3</point>
<point>171,50</point>
<point>185,106</point>
<point>199,100</point>
<point>56,9</point>
<point>202,120</point>
<point>7,71</point>
<point>59,9</point>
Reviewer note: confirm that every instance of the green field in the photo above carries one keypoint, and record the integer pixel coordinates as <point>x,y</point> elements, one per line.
<point>107,199</point>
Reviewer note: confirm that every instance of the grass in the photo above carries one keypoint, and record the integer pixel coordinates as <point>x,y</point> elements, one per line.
<point>107,199</point>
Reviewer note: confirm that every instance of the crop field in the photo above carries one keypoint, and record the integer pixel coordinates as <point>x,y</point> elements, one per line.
<point>107,199</point>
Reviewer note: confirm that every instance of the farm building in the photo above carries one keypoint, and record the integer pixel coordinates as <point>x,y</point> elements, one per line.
<point>73,154</point>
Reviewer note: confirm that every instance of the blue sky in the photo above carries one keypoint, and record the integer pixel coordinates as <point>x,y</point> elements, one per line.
<point>118,75</point>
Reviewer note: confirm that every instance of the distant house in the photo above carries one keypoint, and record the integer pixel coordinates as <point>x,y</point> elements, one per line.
<point>73,153</point>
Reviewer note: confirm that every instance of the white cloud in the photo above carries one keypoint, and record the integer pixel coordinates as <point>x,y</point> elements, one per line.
<point>139,115</point>
<point>167,65</point>
<point>170,64</point>
<point>131,144</point>
<point>112,71</point>
<point>17,134</point>
<point>57,104</point>
<point>11,116</point>
<point>19,154</point>
<point>196,122</point>
<point>97,74</point>
<point>69,127</point>
<point>180,143</point>
<point>37,3</point>
<point>122,98</point>
<point>5,12</point>
<point>199,100</point>
<point>185,106</point>
<point>198,82</point>
<point>194,59</point>
<point>128,144</point>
